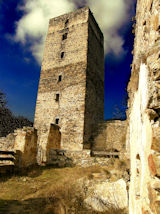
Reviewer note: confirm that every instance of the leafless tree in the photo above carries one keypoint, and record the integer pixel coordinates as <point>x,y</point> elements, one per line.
<point>9,122</point>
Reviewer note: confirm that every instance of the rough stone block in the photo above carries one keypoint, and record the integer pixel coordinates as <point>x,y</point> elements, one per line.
<point>152,165</point>
<point>156,139</point>
<point>156,159</point>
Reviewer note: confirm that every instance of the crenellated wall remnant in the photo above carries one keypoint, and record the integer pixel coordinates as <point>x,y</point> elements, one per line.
<point>143,136</point>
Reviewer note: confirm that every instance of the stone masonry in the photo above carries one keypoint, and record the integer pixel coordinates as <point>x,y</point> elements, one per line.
<point>19,149</point>
<point>71,87</point>
<point>69,109</point>
<point>143,138</point>
<point>70,102</point>
<point>110,136</point>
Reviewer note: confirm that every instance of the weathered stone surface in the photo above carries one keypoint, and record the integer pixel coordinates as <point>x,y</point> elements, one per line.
<point>156,139</point>
<point>156,160</point>
<point>25,147</point>
<point>151,164</point>
<point>75,158</point>
<point>72,68</point>
<point>7,143</point>
<point>143,112</point>
<point>108,196</point>
<point>20,147</point>
<point>110,136</point>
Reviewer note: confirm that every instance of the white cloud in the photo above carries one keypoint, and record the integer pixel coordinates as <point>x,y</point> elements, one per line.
<point>110,15</point>
<point>33,25</point>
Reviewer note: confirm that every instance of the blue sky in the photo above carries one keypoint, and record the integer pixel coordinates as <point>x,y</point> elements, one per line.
<point>21,47</point>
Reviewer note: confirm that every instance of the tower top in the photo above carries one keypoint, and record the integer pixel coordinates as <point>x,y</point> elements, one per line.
<point>78,16</point>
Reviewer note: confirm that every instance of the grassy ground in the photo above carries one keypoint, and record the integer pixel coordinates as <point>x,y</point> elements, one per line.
<point>47,190</point>
<point>35,192</point>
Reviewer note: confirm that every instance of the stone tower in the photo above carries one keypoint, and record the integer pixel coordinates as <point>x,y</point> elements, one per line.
<point>71,86</point>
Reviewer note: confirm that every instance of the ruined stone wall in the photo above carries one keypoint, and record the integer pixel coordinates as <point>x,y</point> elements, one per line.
<point>7,143</point>
<point>143,114</point>
<point>110,136</point>
<point>25,147</point>
<point>68,57</point>
<point>84,158</point>
<point>23,144</point>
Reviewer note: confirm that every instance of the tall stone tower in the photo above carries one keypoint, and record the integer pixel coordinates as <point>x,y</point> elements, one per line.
<point>71,86</point>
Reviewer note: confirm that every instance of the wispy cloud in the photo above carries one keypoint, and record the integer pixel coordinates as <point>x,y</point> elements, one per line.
<point>111,15</point>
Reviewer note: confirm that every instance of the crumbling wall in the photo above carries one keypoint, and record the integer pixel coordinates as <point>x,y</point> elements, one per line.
<point>25,147</point>
<point>110,136</point>
<point>22,143</point>
<point>7,143</point>
<point>84,158</point>
<point>143,114</point>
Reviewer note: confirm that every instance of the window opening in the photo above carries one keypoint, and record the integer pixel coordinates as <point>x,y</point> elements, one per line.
<point>59,78</point>
<point>57,97</point>
<point>62,55</point>
<point>64,36</point>
<point>144,23</point>
<point>57,121</point>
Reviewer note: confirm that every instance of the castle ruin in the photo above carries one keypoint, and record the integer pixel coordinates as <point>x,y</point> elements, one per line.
<point>69,116</point>
<point>69,126</point>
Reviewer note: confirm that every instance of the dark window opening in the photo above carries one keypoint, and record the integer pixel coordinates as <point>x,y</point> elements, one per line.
<point>144,23</point>
<point>57,121</point>
<point>57,97</point>
<point>64,36</point>
<point>62,55</point>
<point>59,78</point>
<point>138,157</point>
<point>66,22</point>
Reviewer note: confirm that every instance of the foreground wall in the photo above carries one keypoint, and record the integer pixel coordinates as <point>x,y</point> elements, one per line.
<point>144,111</point>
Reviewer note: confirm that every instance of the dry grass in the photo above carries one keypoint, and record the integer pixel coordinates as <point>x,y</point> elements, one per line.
<point>49,191</point>
<point>41,189</point>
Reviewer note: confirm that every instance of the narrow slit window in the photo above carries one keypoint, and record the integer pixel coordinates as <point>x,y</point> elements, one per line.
<point>64,36</point>
<point>57,121</point>
<point>62,55</point>
<point>57,97</point>
<point>59,78</point>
